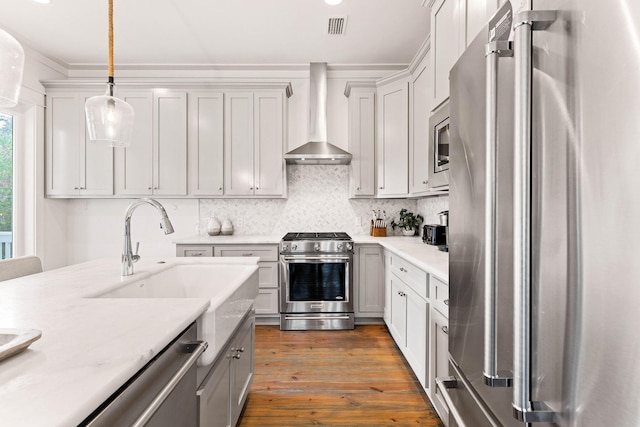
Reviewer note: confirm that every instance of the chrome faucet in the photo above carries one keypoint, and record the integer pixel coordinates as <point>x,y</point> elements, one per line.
<point>128,257</point>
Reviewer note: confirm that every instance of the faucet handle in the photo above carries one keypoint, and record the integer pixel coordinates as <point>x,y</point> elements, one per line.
<point>135,257</point>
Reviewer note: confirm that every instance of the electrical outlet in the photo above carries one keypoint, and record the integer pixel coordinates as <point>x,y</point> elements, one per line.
<point>358,221</point>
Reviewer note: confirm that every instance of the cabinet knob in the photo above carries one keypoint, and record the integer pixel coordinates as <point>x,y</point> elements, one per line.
<point>250,188</point>
<point>358,188</point>
<point>445,330</point>
<point>424,182</point>
<point>219,188</point>
<point>257,188</point>
<point>148,188</point>
<point>380,188</point>
<point>76,188</point>
<point>446,302</point>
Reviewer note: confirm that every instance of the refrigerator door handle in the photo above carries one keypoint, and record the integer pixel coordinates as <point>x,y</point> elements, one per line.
<point>492,377</point>
<point>524,408</point>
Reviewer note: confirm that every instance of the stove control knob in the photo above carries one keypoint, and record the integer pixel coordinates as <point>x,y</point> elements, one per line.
<point>285,248</point>
<point>340,245</point>
<point>316,247</point>
<point>349,246</point>
<point>294,247</point>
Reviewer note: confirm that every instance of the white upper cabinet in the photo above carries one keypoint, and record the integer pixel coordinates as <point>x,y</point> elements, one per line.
<point>75,166</point>
<point>419,108</point>
<point>454,24</point>
<point>392,139</point>
<point>156,161</point>
<point>254,144</point>
<point>361,124</point>
<point>445,46</point>
<point>268,134</point>
<point>206,143</point>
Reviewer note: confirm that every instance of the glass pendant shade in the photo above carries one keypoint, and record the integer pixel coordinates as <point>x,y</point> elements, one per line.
<point>11,69</point>
<point>109,120</point>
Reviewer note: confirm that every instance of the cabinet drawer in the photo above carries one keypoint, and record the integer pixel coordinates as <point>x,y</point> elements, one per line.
<point>411,275</point>
<point>196,250</point>
<point>265,253</point>
<point>266,302</point>
<point>268,274</point>
<point>439,295</point>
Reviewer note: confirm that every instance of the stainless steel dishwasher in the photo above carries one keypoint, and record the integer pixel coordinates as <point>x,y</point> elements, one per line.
<point>162,394</point>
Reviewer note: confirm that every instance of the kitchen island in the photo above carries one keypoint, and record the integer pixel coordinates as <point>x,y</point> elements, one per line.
<point>90,346</point>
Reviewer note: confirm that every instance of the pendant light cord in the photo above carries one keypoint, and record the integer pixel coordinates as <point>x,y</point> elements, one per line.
<point>111,81</point>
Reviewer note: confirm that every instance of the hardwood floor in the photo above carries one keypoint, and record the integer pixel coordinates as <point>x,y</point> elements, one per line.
<point>333,378</point>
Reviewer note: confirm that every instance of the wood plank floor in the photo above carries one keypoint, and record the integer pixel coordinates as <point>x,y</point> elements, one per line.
<point>333,378</point>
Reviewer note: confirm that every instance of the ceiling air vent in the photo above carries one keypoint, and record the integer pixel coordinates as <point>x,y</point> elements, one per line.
<point>337,25</point>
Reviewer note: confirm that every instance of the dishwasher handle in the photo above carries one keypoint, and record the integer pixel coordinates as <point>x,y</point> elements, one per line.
<point>196,348</point>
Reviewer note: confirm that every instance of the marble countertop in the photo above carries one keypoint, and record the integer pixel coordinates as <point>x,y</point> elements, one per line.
<point>426,257</point>
<point>89,346</point>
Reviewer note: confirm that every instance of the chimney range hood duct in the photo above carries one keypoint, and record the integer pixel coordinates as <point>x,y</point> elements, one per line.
<point>318,151</point>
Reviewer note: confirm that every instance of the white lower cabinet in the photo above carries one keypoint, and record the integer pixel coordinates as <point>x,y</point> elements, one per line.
<point>439,366</point>
<point>368,283</point>
<point>414,305</point>
<point>224,391</point>
<point>408,320</point>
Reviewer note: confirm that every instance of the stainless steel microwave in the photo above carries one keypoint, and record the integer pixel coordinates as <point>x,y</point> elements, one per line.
<point>439,137</point>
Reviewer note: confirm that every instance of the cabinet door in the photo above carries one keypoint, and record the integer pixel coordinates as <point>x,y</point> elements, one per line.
<point>65,134</point>
<point>419,108</point>
<point>417,332</point>
<point>206,143</point>
<point>370,281</point>
<point>398,313</point>
<point>362,141</point>
<point>214,399</point>
<point>393,140</point>
<point>242,368</point>
<point>238,144</point>
<point>170,144</point>
<point>445,36</point>
<point>133,166</point>
<point>268,144</point>
<point>439,352</point>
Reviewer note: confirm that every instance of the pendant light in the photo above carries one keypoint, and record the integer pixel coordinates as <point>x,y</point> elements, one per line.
<point>11,69</point>
<point>109,119</point>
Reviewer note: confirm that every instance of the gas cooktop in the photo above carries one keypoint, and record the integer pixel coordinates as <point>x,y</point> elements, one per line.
<point>290,237</point>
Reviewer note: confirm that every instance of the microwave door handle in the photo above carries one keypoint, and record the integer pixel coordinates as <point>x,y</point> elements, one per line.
<point>492,377</point>
<point>524,408</point>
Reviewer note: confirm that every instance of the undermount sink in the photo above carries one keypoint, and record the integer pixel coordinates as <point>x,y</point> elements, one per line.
<point>230,289</point>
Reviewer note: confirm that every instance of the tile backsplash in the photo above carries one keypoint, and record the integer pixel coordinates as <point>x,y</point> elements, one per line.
<point>318,200</point>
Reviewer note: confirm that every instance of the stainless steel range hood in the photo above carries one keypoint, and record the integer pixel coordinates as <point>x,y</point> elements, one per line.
<point>318,151</point>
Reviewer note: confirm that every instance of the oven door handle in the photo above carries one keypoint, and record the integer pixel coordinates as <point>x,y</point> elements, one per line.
<point>315,259</point>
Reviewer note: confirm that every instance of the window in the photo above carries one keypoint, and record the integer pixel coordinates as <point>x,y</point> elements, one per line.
<point>6,186</point>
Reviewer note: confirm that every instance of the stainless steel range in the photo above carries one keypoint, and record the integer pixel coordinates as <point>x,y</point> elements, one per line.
<point>316,276</point>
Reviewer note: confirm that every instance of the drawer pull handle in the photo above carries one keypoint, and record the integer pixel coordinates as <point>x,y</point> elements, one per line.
<point>403,269</point>
<point>446,302</point>
<point>247,253</point>
<point>445,330</point>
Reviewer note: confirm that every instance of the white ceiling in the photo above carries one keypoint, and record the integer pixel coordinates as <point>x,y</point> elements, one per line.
<point>158,32</point>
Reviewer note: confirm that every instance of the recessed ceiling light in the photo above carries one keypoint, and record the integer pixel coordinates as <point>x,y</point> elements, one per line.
<point>333,2</point>
<point>42,1</point>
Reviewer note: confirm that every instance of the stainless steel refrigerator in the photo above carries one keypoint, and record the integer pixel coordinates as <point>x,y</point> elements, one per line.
<point>545,218</point>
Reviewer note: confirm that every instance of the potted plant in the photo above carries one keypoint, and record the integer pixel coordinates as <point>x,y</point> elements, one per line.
<point>408,222</point>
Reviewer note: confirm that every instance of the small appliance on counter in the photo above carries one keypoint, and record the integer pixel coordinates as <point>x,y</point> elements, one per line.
<point>438,234</point>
